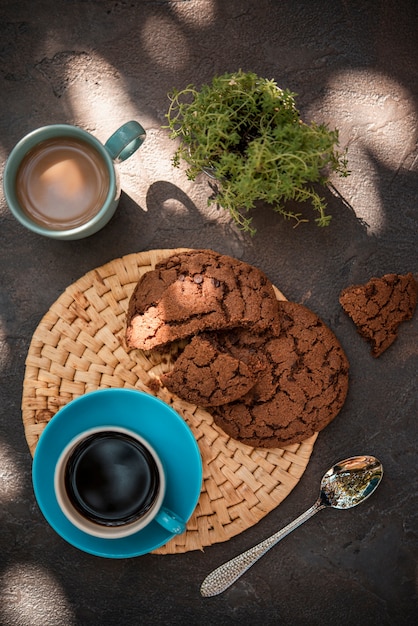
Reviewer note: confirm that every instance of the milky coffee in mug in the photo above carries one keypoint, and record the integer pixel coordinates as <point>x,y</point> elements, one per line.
<point>60,181</point>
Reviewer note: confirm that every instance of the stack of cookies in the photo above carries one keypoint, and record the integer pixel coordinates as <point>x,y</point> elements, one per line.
<point>270,372</point>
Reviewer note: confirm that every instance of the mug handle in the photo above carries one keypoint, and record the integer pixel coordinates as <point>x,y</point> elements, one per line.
<point>125,141</point>
<point>170,521</point>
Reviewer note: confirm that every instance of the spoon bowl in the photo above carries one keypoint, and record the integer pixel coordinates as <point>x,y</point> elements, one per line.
<point>345,485</point>
<point>350,482</point>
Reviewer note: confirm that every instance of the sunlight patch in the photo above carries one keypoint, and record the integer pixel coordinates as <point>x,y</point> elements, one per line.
<point>165,43</point>
<point>191,13</point>
<point>95,96</point>
<point>377,121</point>
<point>31,596</point>
<point>10,476</point>
<point>381,116</point>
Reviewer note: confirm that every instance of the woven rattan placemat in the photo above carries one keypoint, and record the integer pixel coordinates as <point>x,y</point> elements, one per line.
<point>79,347</point>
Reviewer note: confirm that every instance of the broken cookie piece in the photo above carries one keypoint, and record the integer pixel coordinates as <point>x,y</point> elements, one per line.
<point>194,291</point>
<point>207,376</point>
<point>379,306</point>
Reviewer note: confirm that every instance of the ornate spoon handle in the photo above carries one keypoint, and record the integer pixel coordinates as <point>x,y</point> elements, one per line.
<point>225,575</point>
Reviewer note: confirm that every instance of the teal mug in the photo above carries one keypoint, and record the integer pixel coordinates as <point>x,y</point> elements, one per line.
<point>60,181</point>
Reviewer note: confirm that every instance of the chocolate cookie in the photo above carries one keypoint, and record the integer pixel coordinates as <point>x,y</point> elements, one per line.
<point>301,388</point>
<point>194,291</point>
<point>379,306</point>
<point>206,375</point>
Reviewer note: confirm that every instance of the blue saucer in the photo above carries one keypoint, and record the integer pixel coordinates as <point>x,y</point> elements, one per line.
<point>147,416</point>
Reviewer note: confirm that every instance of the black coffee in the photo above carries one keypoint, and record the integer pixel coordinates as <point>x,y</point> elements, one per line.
<point>111,479</point>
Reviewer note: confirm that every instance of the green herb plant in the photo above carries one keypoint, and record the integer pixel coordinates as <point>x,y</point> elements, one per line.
<point>248,133</point>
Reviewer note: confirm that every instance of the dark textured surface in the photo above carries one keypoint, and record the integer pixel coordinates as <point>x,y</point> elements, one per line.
<point>98,63</point>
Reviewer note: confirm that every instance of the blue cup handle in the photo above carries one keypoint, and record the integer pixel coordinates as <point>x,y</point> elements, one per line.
<point>170,521</point>
<point>125,141</point>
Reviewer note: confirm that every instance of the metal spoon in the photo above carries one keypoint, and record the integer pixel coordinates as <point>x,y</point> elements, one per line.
<point>345,485</point>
